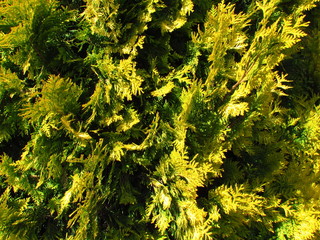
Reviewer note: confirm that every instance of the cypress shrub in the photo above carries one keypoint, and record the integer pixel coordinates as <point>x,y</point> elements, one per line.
<point>159,119</point>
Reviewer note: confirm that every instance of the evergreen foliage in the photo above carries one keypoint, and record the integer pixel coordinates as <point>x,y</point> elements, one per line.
<point>159,119</point>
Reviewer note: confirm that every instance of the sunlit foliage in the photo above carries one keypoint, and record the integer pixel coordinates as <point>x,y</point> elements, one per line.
<point>158,119</point>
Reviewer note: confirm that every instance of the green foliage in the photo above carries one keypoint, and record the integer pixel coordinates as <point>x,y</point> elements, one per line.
<point>159,119</point>
<point>11,88</point>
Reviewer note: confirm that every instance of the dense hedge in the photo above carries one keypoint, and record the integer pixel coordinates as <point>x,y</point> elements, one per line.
<point>159,119</point>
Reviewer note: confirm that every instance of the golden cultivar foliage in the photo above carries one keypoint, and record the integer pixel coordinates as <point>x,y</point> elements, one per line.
<point>158,119</point>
